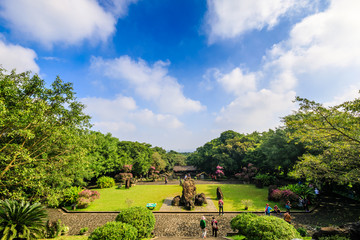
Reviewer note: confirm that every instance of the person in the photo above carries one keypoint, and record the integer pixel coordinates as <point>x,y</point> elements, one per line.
<point>221,207</point>
<point>166,181</point>
<point>214,225</point>
<point>287,217</point>
<point>185,176</point>
<point>288,206</point>
<point>306,204</point>
<point>301,203</point>
<point>276,209</point>
<point>203,226</point>
<point>267,209</point>
<point>317,192</point>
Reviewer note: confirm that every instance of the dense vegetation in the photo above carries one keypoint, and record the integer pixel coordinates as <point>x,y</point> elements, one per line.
<point>48,152</point>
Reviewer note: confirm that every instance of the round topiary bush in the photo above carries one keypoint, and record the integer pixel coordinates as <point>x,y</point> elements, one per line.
<point>268,228</point>
<point>114,231</point>
<point>140,217</point>
<point>105,182</point>
<point>241,221</point>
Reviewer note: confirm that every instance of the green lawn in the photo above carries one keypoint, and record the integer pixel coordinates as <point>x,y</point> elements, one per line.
<point>113,199</point>
<point>234,193</point>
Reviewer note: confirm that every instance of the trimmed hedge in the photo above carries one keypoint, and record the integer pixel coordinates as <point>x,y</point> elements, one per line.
<point>263,227</point>
<point>114,231</point>
<point>139,217</point>
<point>241,221</point>
<point>105,182</point>
<point>269,228</point>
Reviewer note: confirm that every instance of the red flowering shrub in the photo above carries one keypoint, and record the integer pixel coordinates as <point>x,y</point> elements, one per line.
<point>86,197</point>
<point>287,195</point>
<point>275,195</point>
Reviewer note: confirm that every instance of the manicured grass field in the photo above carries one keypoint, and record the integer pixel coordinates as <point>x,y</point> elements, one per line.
<point>234,193</point>
<point>113,199</point>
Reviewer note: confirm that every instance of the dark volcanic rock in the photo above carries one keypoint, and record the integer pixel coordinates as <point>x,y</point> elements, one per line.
<point>176,201</point>
<point>219,193</point>
<point>200,199</point>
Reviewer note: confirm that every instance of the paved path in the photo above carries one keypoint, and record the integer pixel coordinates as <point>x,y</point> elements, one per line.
<point>167,207</point>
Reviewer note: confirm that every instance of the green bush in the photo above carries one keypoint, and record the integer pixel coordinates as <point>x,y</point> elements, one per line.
<point>83,230</point>
<point>21,220</point>
<point>302,231</point>
<point>141,218</point>
<point>265,179</point>
<point>71,195</point>
<point>302,190</point>
<point>269,228</point>
<point>53,200</point>
<point>241,221</point>
<point>114,231</point>
<point>105,182</point>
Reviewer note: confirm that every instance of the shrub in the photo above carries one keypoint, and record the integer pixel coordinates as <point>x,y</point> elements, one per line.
<point>71,195</point>
<point>241,221</point>
<point>105,182</point>
<point>302,231</point>
<point>140,217</point>
<point>55,229</point>
<point>83,230</point>
<point>269,228</point>
<point>21,220</point>
<point>275,195</point>
<point>247,203</point>
<point>86,196</point>
<point>289,195</point>
<point>53,200</point>
<point>302,190</point>
<point>114,231</point>
<point>265,179</point>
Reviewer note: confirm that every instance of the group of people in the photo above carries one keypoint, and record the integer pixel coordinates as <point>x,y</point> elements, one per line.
<point>214,223</point>
<point>277,211</point>
<point>214,226</point>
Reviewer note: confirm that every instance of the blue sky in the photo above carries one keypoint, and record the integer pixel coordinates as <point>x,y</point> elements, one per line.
<point>177,73</point>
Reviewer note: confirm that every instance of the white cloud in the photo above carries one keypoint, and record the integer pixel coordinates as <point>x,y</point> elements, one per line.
<point>153,83</point>
<point>256,111</point>
<point>231,18</point>
<point>320,59</point>
<point>17,57</point>
<point>125,120</point>
<point>58,21</point>
<point>118,8</point>
<point>322,51</point>
<point>236,82</point>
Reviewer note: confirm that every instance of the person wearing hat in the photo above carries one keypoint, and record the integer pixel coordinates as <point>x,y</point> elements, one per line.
<point>203,226</point>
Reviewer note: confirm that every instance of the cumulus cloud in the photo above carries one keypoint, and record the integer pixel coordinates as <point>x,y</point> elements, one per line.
<point>256,111</point>
<point>58,21</point>
<point>153,83</point>
<point>17,57</point>
<point>322,51</point>
<point>321,55</point>
<point>124,119</point>
<point>231,18</point>
<point>118,8</point>
<point>237,82</point>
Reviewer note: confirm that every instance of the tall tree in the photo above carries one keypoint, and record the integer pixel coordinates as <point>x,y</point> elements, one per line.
<point>39,132</point>
<point>332,136</point>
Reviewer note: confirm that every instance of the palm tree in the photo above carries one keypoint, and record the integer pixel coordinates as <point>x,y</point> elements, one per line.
<point>21,220</point>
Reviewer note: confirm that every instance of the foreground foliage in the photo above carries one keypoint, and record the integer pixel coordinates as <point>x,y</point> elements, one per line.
<point>263,227</point>
<point>139,217</point>
<point>21,220</point>
<point>114,231</point>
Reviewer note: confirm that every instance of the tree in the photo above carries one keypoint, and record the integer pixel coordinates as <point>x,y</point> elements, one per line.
<point>40,131</point>
<point>332,137</point>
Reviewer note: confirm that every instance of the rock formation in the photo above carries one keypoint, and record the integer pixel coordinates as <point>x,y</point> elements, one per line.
<point>189,198</point>
<point>219,193</point>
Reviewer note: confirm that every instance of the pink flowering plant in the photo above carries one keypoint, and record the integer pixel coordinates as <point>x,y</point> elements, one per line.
<point>219,171</point>
<point>87,196</point>
<point>127,168</point>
